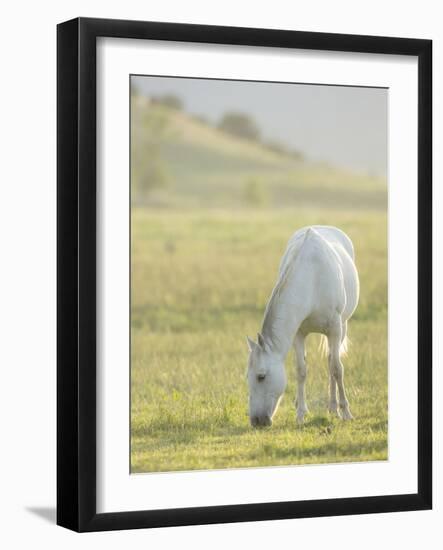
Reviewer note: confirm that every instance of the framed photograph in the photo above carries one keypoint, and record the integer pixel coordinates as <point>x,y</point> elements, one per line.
<point>244,274</point>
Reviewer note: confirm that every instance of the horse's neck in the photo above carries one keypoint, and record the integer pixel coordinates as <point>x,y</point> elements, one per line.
<point>281,320</point>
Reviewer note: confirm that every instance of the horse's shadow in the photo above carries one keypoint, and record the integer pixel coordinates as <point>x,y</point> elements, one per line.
<point>317,422</point>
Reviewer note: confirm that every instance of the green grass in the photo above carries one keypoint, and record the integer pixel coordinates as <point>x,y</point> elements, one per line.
<point>203,267</point>
<point>200,282</point>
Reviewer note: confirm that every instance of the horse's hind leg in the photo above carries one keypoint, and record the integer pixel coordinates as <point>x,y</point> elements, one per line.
<point>336,371</point>
<point>333,405</point>
<point>300,362</point>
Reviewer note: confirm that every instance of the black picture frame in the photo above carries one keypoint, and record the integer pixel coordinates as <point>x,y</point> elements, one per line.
<point>76,273</point>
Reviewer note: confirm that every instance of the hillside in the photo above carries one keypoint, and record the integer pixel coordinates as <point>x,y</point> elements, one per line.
<point>196,164</point>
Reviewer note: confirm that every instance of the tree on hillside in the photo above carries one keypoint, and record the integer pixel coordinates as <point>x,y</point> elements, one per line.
<point>298,155</point>
<point>255,192</point>
<point>148,135</point>
<point>240,125</point>
<point>278,147</point>
<point>169,100</point>
<point>135,92</point>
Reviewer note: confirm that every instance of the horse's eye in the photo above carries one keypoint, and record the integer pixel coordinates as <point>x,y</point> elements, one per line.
<point>261,377</point>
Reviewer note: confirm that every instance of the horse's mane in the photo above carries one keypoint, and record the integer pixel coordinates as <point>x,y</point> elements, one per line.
<point>286,268</point>
<point>270,316</point>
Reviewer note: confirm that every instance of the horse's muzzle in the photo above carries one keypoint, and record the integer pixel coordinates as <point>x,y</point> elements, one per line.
<point>261,421</point>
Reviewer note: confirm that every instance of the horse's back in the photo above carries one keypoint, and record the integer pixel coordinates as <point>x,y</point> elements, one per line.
<point>333,235</point>
<point>324,256</point>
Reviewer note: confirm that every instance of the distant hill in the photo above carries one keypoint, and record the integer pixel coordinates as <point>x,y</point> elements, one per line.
<point>202,165</point>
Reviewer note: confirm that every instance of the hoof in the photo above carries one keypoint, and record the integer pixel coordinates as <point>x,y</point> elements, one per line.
<point>301,416</point>
<point>346,414</point>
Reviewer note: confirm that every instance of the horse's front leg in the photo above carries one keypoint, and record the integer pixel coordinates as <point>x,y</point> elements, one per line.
<point>300,366</point>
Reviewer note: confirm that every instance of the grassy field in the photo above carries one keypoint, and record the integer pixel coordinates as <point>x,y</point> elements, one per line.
<point>200,282</point>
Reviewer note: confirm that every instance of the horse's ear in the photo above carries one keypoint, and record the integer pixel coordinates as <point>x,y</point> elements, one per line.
<point>264,346</point>
<point>251,343</point>
<point>260,340</point>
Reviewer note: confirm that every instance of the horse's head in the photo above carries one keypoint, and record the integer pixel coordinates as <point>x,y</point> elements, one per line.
<point>267,382</point>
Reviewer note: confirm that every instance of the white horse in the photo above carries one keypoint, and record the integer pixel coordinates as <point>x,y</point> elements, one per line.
<point>317,291</point>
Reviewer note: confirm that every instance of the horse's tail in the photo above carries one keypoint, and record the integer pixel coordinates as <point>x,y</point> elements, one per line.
<point>324,346</point>
<point>344,346</point>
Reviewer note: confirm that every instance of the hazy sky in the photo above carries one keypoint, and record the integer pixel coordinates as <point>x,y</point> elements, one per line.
<point>341,125</point>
